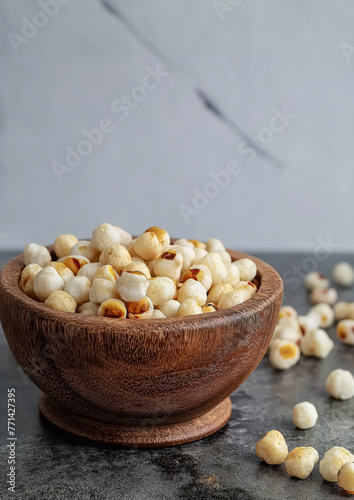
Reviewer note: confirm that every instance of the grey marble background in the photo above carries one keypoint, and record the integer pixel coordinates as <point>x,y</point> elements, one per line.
<point>230,67</point>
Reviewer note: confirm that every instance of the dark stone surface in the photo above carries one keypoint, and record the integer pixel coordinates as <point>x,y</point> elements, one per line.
<point>224,466</point>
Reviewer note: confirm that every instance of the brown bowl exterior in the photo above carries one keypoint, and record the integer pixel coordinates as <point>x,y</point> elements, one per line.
<point>139,372</point>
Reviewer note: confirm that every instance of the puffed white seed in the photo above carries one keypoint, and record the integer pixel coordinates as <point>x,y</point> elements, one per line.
<point>305,415</point>
<point>130,248</point>
<point>46,282</point>
<point>325,313</point>
<point>213,245</point>
<point>343,274</point>
<point>125,237</point>
<point>75,262</point>
<point>157,314</point>
<point>234,298</point>
<point>287,333</point>
<point>84,248</point>
<point>197,244</point>
<point>162,236</point>
<point>233,274</point>
<point>301,461</point>
<point>89,271</point>
<point>344,310</point>
<point>106,272</point>
<point>102,290</point>
<point>272,448</point>
<point>37,254</point>
<point>316,343</point>
<point>287,312</point>
<point>316,280</point>
<point>170,308</point>
<point>209,307</point>
<point>340,384</point>
<point>61,301</point>
<point>116,256</point>
<point>218,291</point>
<point>189,307</point>
<point>79,288</point>
<point>169,264</point>
<point>332,462</point>
<point>246,285</point>
<point>27,279</point>
<point>247,268</point>
<point>192,289</point>
<point>148,246</point>
<point>309,322</point>
<point>199,254</point>
<point>112,308</point>
<point>328,296</point>
<point>63,244</point>
<point>132,286</point>
<point>345,477</point>
<point>140,266</point>
<point>183,242</point>
<point>283,354</point>
<point>345,331</point>
<point>104,236</point>
<point>88,309</point>
<point>188,256</point>
<point>161,289</point>
<point>226,257</point>
<point>199,273</point>
<point>62,270</point>
<point>289,322</point>
<point>217,268</point>
<point>142,309</point>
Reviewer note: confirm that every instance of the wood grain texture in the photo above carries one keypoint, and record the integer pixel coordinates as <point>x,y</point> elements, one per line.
<point>130,372</point>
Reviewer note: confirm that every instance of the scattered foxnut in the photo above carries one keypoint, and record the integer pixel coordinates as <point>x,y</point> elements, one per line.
<point>328,296</point>
<point>340,384</point>
<point>61,301</point>
<point>132,286</point>
<point>287,333</point>
<point>272,448</point>
<point>46,282</point>
<point>63,244</point>
<point>247,268</point>
<point>192,289</point>
<point>316,343</point>
<point>343,274</point>
<point>232,299</point>
<point>301,461</point>
<point>198,273</point>
<point>309,323</point>
<point>332,462</point>
<point>79,288</point>
<point>169,264</point>
<point>27,279</point>
<point>117,256</point>
<point>287,312</point>
<point>142,309</point>
<point>106,272</point>
<point>88,309</point>
<point>161,289</point>
<point>170,308</point>
<point>102,290</point>
<point>148,246</point>
<point>104,236</point>
<point>62,270</point>
<point>305,415</point>
<point>37,254</point>
<point>344,310</point>
<point>283,354</point>
<point>84,248</point>
<point>162,236</point>
<point>345,477</point>
<point>218,291</point>
<point>326,314</point>
<point>89,271</point>
<point>345,331</point>
<point>112,308</point>
<point>316,280</point>
<point>75,262</point>
<point>189,307</point>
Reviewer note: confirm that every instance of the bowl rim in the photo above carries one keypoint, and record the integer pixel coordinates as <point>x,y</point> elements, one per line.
<point>270,287</point>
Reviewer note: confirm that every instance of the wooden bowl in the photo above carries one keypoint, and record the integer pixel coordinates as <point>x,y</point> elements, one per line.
<point>144,383</point>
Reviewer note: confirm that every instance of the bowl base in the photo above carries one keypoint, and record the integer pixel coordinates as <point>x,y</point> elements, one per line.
<point>136,437</point>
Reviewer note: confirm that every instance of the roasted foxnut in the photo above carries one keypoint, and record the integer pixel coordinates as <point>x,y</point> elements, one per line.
<point>328,296</point>
<point>130,248</point>
<point>88,309</point>
<point>301,461</point>
<point>214,245</point>
<point>209,307</point>
<point>287,312</point>
<point>316,280</point>
<point>197,244</point>
<point>125,237</point>
<point>218,291</point>
<point>283,354</point>
<point>198,273</point>
<point>117,256</point>
<point>84,248</point>
<point>234,298</point>
<point>75,262</point>
<point>247,268</point>
<point>61,301</point>
<point>142,309</point>
<point>345,478</point>
<point>138,266</point>
<point>248,286</point>
<point>169,264</point>
<point>148,246</point>
<point>216,266</point>
<point>161,289</point>
<point>106,272</point>
<point>37,254</point>
<point>102,290</point>
<point>170,308</point>
<point>27,279</point>
<point>112,308</point>
<point>189,307</point>
<point>345,331</point>
<point>46,282</point>
<point>132,286</point>
<point>233,274</point>
<point>272,448</point>
<point>332,462</point>
<point>343,274</point>
<point>63,244</point>
<point>305,415</point>
<point>79,288</point>
<point>192,289</point>
<point>325,312</point>
<point>104,236</point>
<point>340,384</point>
<point>62,270</point>
<point>316,343</point>
<point>89,271</point>
<point>162,236</point>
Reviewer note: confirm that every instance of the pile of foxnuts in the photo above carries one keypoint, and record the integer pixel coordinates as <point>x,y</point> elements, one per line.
<point>116,276</point>
<point>295,335</point>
